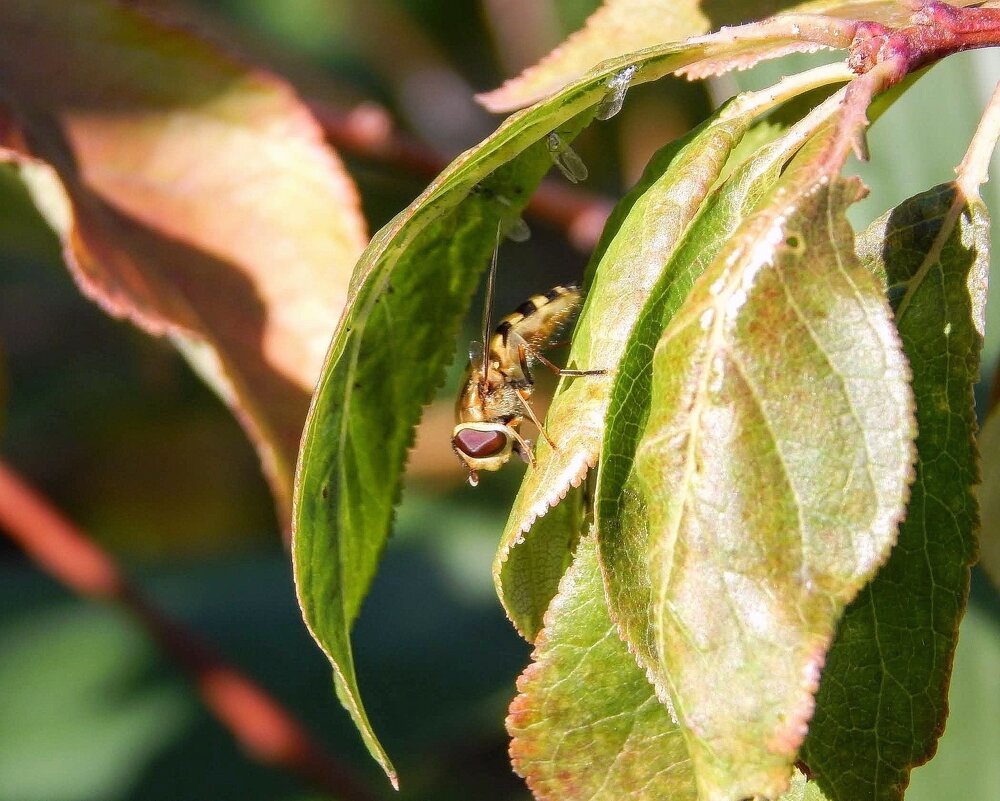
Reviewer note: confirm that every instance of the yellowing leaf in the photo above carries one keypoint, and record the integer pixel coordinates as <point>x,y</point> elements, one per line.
<point>775,466</point>
<point>638,242</point>
<point>625,26</point>
<point>194,197</point>
<point>586,725</point>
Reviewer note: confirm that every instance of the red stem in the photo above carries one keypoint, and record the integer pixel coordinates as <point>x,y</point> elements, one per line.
<point>937,30</point>
<point>259,722</point>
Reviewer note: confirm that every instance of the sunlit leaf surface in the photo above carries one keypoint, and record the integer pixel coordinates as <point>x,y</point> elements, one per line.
<point>408,295</point>
<point>625,26</point>
<point>882,702</point>
<point>194,196</point>
<point>586,725</point>
<point>640,236</point>
<point>621,515</point>
<point>639,239</point>
<point>775,465</point>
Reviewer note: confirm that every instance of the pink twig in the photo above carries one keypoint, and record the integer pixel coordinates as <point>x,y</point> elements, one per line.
<point>263,726</point>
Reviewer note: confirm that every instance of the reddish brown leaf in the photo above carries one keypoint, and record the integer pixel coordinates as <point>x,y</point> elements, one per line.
<point>194,195</point>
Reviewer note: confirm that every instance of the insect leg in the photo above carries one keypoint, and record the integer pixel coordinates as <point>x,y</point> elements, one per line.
<point>523,349</point>
<point>525,446</point>
<point>534,419</point>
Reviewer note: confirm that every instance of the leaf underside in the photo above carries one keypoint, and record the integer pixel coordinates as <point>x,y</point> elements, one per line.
<point>616,28</point>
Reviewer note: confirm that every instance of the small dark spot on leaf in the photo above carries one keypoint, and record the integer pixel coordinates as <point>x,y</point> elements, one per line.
<point>325,491</point>
<point>357,385</point>
<point>792,242</point>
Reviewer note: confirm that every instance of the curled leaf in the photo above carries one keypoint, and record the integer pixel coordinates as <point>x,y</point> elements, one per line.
<point>647,226</point>
<point>622,520</point>
<point>617,28</point>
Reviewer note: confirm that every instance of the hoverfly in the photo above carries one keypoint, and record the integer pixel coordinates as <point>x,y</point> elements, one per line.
<point>494,397</point>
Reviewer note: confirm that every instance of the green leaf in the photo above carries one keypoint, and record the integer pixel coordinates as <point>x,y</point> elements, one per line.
<point>408,295</point>
<point>989,497</point>
<point>775,465</point>
<point>621,517</point>
<point>586,724</point>
<point>530,576</point>
<point>640,237</point>
<point>882,703</point>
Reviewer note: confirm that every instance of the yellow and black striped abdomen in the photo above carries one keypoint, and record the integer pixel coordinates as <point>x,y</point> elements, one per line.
<point>536,322</point>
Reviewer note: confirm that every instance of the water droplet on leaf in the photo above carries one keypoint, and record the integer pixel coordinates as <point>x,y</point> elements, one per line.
<point>517,230</point>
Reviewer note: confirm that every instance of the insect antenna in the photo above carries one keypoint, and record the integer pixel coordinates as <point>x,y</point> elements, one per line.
<point>491,282</point>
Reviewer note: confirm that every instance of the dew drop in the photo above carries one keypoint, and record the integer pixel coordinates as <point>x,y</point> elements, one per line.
<point>617,85</point>
<point>566,159</point>
<point>517,230</point>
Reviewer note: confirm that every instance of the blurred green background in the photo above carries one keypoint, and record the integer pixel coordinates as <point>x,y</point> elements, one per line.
<point>115,429</point>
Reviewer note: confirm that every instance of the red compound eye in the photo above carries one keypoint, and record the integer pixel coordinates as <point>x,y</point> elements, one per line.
<point>480,444</point>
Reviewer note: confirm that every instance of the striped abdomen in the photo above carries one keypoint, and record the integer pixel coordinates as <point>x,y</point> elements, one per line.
<point>534,324</point>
